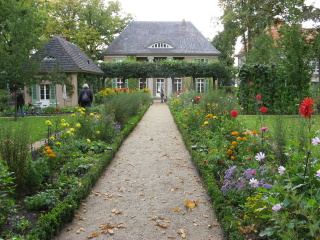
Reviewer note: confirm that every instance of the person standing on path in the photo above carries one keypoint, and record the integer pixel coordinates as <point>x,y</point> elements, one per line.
<point>162,95</point>
<point>85,96</point>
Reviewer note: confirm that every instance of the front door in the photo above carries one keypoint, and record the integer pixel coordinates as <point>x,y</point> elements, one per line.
<point>160,86</point>
<point>45,95</point>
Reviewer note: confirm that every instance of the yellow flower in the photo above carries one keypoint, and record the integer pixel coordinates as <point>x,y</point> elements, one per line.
<point>78,125</point>
<point>98,132</point>
<point>71,129</point>
<point>73,115</point>
<point>63,120</point>
<point>215,117</point>
<point>70,133</point>
<point>48,123</point>
<point>67,124</point>
<point>232,157</point>
<point>91,114</point>
<point>88,140</point>
<point>63,124</point>
<point>234,133</point>
<point>186,114</point>
<point>206,123</point>
<point>98,116</point>
<point>52,138</point>
<point>58,143</point>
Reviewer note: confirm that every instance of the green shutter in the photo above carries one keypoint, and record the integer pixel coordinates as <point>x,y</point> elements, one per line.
<point>52,94</point>
<point>34,93</point>
<point>114,83</point>
<point>196,84</point>
<point>206,85</point>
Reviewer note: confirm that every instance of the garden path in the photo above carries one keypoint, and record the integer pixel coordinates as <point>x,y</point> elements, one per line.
<point>142,193</point>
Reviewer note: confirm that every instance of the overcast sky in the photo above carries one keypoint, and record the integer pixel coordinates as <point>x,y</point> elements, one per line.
<point>202,13</point>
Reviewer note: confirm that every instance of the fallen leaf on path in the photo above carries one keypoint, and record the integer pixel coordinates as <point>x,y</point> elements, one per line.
<point>191,204</point>
<point>116,212</point>
<point>93,235</point>
<point>80,230</point>
<point>176,209</point>
<point>163,225</point>
<point>182,233</point>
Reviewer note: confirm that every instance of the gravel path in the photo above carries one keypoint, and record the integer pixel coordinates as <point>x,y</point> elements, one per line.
<point>142,193</point>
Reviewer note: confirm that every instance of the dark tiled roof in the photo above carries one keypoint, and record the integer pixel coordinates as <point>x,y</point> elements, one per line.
<point>68,55</point>
<point>183,36</point>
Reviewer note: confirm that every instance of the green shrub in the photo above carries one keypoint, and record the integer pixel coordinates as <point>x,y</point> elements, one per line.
<point>6,191</point>
<point>14,150</point>
<point>42,201</point>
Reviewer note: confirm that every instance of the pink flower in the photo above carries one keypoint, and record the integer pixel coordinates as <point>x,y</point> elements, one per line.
<point>281,170</point>
<point>258,97</point>
<point>276,207</point>
<point>253,172</point>
<point>254,183</point>
<point>315,141</point>
<point>318,173</point>
<point>264,129</point>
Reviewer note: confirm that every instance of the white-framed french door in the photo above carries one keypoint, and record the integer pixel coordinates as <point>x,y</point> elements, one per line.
<point>45,95</point>
<point>160,86</point>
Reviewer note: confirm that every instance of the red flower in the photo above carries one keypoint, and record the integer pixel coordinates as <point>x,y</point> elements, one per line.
<point>258,97</point>
<point>263,109</point>
<point>115,90</point>
<point>197,98</point>
<point>306,109</point>
<point>234,113</point>
<point>250,83</point>
<point>57,109</point>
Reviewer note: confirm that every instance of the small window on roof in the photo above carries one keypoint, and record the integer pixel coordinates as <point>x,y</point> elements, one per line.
<point>160,45</point>
<point>49,58</point>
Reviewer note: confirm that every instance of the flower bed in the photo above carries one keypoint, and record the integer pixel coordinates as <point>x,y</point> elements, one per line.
<point>262,185</point>
<point>63,171</point>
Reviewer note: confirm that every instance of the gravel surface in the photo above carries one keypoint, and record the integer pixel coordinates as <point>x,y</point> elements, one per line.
<point>143,192</point>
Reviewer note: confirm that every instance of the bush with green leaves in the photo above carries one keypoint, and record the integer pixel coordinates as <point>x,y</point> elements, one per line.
<point>14,150</point>
<point>6,192</point>
<point>44,200</point>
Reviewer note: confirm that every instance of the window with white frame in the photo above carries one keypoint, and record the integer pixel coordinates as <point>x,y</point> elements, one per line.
<point>142,83</point>
<point>177,84</point>
<point>160,45</point>
<point>118,59</point>
<point>119,83</point>
<point>201,59</point>
<point>200,85</point>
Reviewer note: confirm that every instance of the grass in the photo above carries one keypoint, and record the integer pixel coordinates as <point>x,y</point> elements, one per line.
<point>38,128</point>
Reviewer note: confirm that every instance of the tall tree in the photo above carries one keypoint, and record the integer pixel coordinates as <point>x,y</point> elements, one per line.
<point>20,30</point>
<point>91,24</point>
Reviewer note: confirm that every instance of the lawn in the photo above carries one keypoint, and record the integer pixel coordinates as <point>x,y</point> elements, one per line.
<point>38,128</point>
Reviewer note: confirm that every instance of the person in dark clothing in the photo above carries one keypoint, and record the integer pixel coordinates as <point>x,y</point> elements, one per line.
<point>85,96</point>
<point>20,102</point>
<point>162,95</point>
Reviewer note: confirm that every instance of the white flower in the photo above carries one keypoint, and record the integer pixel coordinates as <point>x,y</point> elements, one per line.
<point>276,207</point>
<point>315,141</point>
<point>260,156</point>
<point>281,170</point>
<point>318,173</point>
<point>254,183</point>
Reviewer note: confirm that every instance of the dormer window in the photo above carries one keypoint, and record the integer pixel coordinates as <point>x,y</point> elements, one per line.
<point>49,58</point>
<point>160,45</point>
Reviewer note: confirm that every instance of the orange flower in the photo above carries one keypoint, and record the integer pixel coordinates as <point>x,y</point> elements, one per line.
<point>52,155</point>
<point>254,132</point>
<point>49,151</point>
<point>234,143</point>
<point>232,157</point>
<point>229,151</point>
<point>46,147</point>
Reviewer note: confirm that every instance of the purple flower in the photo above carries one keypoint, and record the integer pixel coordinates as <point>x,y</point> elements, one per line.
<point>254,183</point>
<point>260,156</point>
<point>315,141</point>
<point>281,170</point>
<point>229,172</point>
<point>318,173</point>
<point>276,207</point>
<point>263,129</point>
